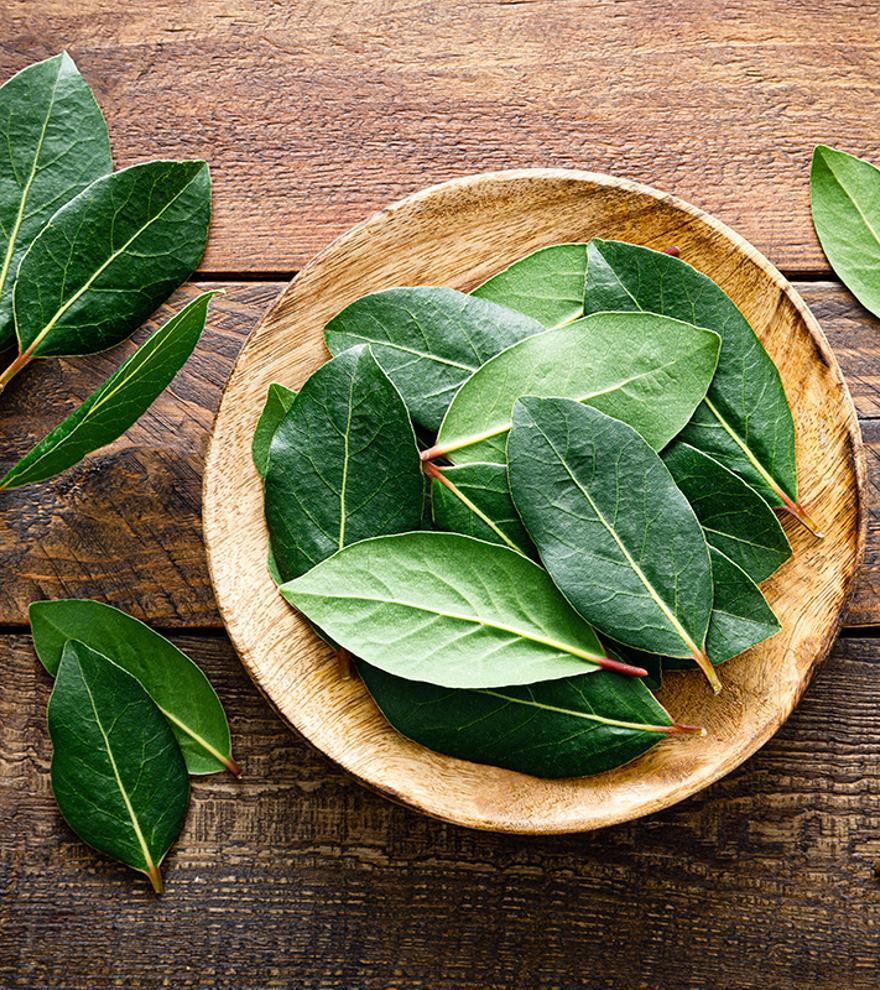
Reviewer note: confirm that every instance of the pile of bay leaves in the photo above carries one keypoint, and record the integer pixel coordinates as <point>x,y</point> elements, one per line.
<point>517,508</point>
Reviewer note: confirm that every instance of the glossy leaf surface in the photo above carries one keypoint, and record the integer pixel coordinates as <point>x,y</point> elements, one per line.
<point>126,395</point>
<point>117,771</point>
<point>110,256</point>
<point>343,465</point>
<point>567,728</point>
<point>547,285</point>
<point>54,143</point>
<point>733,515</point>
<point>279,399</point>
<point>618,538</point>
<point>647,370</point>
<point>428,340</point>
<point>172,680</point>
<point>446,609</point>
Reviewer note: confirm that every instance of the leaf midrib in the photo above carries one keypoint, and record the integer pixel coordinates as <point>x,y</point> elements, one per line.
<point>408,350</point>
<point>590,716</point>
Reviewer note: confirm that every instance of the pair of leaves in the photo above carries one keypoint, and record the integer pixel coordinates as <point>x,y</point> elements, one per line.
<point>55,144</point>
<point>126,395</point>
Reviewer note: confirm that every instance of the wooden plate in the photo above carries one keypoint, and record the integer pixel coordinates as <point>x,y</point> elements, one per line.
<point>458,234</point>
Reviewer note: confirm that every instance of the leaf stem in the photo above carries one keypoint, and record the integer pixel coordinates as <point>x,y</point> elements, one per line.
<point>155,878</point>
<point>705,664</point>
<point>801,514</point>
<point>22,361</point>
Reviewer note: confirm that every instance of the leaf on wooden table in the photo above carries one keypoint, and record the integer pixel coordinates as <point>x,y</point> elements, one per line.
<point>172,680</point>
<point>449,610</point>
<point>572,727</point>
<point>428,340</point>
<point>55,144</point>
<point>279,399</point>
<point>618,538</point>
<point>745,421</point>
<point>343,465</point>
<point>126,395</point>
<point>107,259</point>
<point>647,370</point>
<point>547,285</point>
<point>474,499</point>
<point>733,515</point>
<point>845,199</point>
<point>117,771</point>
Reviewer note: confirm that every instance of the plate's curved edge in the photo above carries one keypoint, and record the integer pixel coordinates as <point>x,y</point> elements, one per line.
<point>699,780</point>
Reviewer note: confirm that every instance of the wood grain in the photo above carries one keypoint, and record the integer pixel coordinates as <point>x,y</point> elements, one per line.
<point>458,234</point>
<point>313,115</point>
<point>298,877</point>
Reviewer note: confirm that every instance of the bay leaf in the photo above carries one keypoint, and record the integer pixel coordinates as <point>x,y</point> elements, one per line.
<point>279,399</point>
<point>741,617</point>
<point>573,727</point>
<point>449,610</point>
<point>343,464</point>
<point>474,499</point>
<point>117,771</point>
<point>618,538</point>
<point>55,144</point>
<point>126,395</point>
<point>648,370</point>
<point>108,258</point>
<point>734,517</point>
<point>547,285</point>
<point>745,421</point>
<point>428,340</point>
<point>172,680</point>
<point>845,200</point>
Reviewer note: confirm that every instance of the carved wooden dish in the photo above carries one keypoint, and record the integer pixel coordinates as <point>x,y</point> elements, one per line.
<point>458,234</point>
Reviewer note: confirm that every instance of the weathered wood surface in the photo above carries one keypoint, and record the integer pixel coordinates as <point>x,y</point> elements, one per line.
<point>313,115</point>
<point>298,877</point>
<point>125,524</point>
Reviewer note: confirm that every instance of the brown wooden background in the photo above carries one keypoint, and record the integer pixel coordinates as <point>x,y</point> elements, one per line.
<point>312,115</point>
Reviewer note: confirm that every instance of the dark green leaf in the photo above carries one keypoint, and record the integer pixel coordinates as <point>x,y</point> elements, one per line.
<point>734,517</point>
<point>428,340</point>
<point>126,395</point>
<point>54,144</point>
<point>446,609</point>
<point>647,370</point>
<point>547,285</point>
<point>618,538</point>
<point>172,680</point>
<point>279,399</point>
<point>741,617</point>
<point>745,421</point>
<point>117,771</point>
<point>845,198</point>
<point>474,499</point>
<point>343,465</point>
<point>110,256</point>
<point>568,728</point>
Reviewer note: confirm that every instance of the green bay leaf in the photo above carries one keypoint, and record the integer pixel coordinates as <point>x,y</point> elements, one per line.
<point>447,609</point>
<point>279,399</point>
<point>54,144</point>
<point>428,340</point>
<point>618,538</point>
<point>845,200</point>
<point>171,679</point>
<point>117,771</point>
<point>733,515</point>
<point>745,421</point>
<point>343,465</point>
<point>548,285</point>
<point>648,370</point>
<point>126,395</point>
<point>571,727</point>
<point>107,258</point>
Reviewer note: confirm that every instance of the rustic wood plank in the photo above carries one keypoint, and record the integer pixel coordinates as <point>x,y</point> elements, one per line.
<point>297,876</point>
<point>315,115</point>
<point>125,524</point>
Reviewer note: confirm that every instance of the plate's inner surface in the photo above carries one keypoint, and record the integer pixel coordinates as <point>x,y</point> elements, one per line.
<point>458,234</point>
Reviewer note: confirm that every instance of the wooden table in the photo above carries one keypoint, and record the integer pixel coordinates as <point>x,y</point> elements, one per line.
<point>312,115</point>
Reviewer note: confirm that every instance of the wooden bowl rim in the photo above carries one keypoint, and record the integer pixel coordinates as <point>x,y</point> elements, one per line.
<point>696,781</point>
